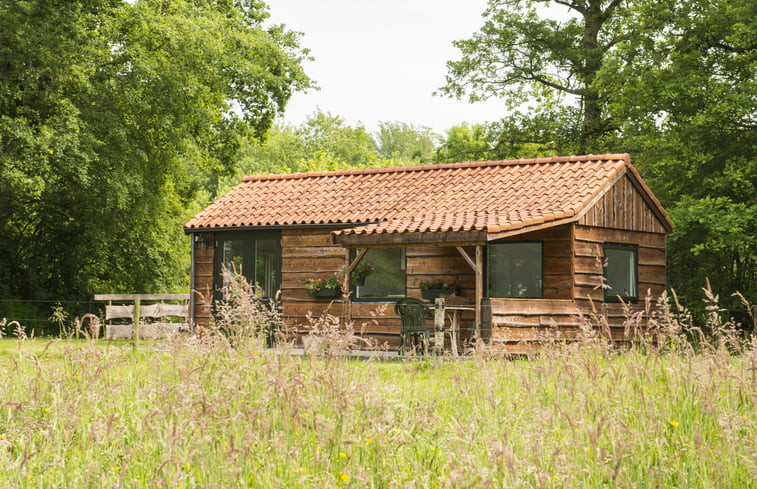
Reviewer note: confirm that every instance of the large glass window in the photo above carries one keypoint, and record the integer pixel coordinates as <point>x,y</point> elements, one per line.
<point>256,255</point>
<point>514,269</point>
<point>621,272</point>
<point>387,281</point>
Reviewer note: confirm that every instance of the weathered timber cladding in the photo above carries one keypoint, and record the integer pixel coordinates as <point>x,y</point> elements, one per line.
<point>588,266</point>
<point>203,282</point>
<point>309,253</point>
<point>623,207</point>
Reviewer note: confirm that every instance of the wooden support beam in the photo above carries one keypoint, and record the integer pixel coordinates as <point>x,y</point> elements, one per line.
<point>467,257</point>
<point>478,268</point>
<point>346,285</point>
<point>479,289</point>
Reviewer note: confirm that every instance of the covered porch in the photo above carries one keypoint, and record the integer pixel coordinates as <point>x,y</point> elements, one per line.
<point>470,262</point>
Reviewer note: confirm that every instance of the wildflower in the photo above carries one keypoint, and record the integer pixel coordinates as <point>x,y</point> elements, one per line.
<point>345,477</point>
<point>674,423</point>
<point>342,455</point>
<point>116,469</point>
<point>303,470</point>
<point>369,440</point>
<point>47,410</point>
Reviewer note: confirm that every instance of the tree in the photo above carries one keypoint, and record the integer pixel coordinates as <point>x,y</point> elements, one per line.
<point>520,56</point>
<point>688,99</point>
<point>112,116</point>
<point>322,142</point>
<point>405,142</point>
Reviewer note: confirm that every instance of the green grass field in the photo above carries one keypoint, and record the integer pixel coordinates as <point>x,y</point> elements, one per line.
<point>75,414</point>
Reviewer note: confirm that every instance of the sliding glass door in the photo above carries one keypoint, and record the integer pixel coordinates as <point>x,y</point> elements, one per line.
<point>254,254</point>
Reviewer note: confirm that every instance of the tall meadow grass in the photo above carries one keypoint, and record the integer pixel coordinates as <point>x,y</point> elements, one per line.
<point>206,412</point>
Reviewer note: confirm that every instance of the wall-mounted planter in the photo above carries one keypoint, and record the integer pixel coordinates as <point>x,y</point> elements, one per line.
<point>431,294</point>
<point>325,292</point>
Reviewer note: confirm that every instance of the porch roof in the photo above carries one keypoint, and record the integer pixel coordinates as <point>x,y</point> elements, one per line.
<point>473,201</point>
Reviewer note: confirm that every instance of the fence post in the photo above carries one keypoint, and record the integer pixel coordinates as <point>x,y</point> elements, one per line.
<point>439,326</point>
<point>135,334</point>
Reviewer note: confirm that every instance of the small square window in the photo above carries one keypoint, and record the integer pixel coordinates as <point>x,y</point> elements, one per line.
<point>387,281</point>
<point>621,272</point>
<point>515,269</point>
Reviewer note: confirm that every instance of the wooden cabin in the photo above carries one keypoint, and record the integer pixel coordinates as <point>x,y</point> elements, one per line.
<point>529,244</point>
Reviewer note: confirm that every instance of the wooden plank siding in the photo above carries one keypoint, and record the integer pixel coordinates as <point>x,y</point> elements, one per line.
<point>203,282</point>
<point>588,266</point>
<point>623,207</point>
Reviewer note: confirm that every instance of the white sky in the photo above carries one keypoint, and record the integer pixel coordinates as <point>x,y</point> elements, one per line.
<point>380,60</point>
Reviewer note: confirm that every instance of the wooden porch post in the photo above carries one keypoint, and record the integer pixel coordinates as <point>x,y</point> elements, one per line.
<point>346,280</point>
<point>478,268</point>
<point>479,289</point>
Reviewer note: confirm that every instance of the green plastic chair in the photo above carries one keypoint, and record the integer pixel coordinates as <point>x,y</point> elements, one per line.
<point>413,313</point>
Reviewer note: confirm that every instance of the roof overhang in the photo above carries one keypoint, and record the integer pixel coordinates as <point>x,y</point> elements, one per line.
<point>440,238</point>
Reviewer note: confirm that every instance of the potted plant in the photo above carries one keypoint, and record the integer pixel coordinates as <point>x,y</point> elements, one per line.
<point>432,290</point>
<point>323,287</point>
<point>360,272</point>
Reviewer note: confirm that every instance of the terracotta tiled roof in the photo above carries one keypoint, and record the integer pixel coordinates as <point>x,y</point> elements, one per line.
<point>493,196</point>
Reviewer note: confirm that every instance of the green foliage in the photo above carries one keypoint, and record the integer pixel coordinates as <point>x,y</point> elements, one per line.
<point>112,116</point>
<point>689,98</point>
<point>405,142</point>
<point>322,142</point>
<point>522,56</point>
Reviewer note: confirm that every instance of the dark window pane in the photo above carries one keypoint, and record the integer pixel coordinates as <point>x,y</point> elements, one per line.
<point>388,277</point>
<point>620,272</point>
<point>515,270</point>
<point>232,258</point>
<point>267,260</point>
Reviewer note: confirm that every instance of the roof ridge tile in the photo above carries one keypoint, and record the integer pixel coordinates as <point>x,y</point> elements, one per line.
<point>437,166</point>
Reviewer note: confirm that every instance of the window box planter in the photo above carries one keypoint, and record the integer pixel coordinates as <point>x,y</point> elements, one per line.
<point>326,292</point>
<point>431,294</point>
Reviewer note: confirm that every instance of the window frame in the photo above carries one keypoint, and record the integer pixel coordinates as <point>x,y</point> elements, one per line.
<point>618,298</point>
<point>353,286</point>
<point>488,271</point>
<point>250,239</point>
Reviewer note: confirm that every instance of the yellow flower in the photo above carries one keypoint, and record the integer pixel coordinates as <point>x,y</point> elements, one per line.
<point>116,469</point>
<point>342,455</point>
<point>345,477</point>
<point>47,410</point>
<point>303,470</point>
<point>369,440</point>
<point>674,423</point>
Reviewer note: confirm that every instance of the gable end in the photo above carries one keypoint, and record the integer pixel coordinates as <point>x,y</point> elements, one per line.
<point>624,206</point>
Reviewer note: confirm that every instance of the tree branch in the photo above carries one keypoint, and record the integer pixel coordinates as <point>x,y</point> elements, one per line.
<point>612,42</point>
<point>608,11</point>
<point>572,5</point>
